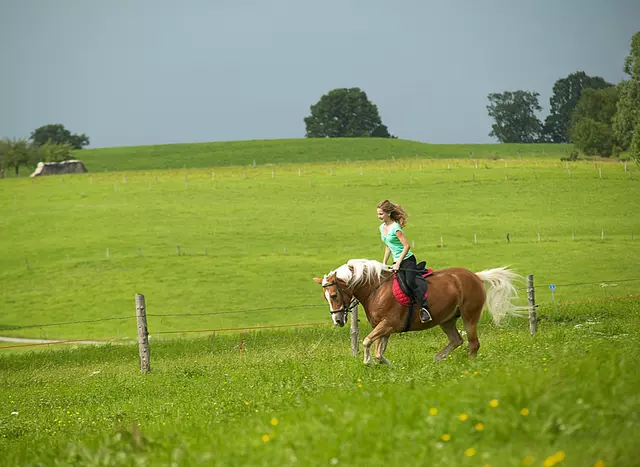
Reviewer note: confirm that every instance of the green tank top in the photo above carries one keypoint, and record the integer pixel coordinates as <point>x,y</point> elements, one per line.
<point>392,240</point>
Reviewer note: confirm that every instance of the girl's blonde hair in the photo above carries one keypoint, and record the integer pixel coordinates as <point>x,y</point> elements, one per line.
<point>395,211</point>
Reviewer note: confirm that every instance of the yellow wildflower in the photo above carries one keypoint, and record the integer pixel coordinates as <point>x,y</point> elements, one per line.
<point>599,463</point>
<point>479,427</point>
<point>265,438</point>
<point>463,417</point>
<point>433,411</point>
<point>494,403</point>
<point>470,452</point>
<point>274,421</point>
<point>524,412</point>
<point>554,459</point>
<point>446,437</point>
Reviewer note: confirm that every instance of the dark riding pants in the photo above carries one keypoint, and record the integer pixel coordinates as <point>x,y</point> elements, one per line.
<point>408,271</point>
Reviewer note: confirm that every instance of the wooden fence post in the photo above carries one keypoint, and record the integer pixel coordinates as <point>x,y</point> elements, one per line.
<point>354,331</point>
<point>533,317</point>
<point>143,334</point>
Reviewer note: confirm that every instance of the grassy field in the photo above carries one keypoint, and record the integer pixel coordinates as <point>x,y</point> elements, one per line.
<point>62,228</point>
<point>251,239</point>
<point>567,397</point>
<point>276,152</point>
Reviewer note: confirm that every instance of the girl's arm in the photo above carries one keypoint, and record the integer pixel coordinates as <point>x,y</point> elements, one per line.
<point>405,250</point>
<point>387,252</point>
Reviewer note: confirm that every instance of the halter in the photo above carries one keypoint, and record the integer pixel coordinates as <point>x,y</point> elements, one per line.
<point>353,303</point>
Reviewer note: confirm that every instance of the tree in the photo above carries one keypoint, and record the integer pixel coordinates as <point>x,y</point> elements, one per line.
<point>4,150</point>
<point>58,134</point>
<point>345,113</point>
<point>627,118</point>
<point>626,113</point>
<point>50,152</point>
<point>514,115</point>
<point>597,104</point>
<point>16,152</point>
<point>565,97</point>
<point>591,128</point>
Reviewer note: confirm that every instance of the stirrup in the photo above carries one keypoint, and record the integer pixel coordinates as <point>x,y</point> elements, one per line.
<point>425,316</point>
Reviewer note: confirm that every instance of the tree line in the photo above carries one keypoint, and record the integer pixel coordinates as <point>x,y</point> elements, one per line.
<point>598,117</point>
<point>48,143</point>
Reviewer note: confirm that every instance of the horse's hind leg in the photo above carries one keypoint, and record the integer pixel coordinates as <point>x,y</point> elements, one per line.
<point>471,326</point>
<point>455,339</point>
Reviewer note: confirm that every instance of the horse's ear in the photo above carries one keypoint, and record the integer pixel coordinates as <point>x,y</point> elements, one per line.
<point>317,280</point>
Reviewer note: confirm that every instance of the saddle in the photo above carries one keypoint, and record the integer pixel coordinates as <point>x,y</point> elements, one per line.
<point>403,293</point>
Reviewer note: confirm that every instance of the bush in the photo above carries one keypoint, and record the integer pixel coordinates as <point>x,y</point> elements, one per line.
<point>572,157</point>
<point>634,149</point>
<point>593,138</point>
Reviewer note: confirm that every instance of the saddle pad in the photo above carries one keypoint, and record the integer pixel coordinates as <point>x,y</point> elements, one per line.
<point>402,297</point>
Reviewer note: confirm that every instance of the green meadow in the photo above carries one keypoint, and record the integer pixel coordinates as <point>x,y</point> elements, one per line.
<point>214,242</point>
<point>278,151</point>
<point>199,155</point>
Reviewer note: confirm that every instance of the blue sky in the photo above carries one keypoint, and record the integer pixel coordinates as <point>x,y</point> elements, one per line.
<point>128,72</point>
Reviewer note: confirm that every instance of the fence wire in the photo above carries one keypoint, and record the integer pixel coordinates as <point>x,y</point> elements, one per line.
<point>159,315</point>
<point>572,284</point>
<point>290,307</point>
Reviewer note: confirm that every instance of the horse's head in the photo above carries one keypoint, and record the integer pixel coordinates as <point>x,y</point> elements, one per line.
<point>340,298</point>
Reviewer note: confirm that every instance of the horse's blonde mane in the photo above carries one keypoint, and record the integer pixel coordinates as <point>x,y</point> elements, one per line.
<point>358,271</point>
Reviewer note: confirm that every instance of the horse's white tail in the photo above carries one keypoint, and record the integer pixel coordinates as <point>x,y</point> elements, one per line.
<point>501,292</point>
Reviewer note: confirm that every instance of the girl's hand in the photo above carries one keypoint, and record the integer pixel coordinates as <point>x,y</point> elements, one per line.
<point>396,266</point>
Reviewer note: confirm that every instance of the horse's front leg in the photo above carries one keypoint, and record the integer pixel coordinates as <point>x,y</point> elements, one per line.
<point>381,347</point>
<point>382,329</point>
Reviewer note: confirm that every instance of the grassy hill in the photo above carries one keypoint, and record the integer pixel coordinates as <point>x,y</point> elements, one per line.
<point>200,155</point>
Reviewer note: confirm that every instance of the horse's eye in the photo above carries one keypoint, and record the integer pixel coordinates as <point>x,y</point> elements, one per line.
<point>334,296</point>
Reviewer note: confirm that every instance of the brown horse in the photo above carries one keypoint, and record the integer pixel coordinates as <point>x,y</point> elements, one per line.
<point>453,293</point>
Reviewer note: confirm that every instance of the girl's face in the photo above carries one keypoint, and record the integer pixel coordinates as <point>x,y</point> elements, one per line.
<point>383,216</point>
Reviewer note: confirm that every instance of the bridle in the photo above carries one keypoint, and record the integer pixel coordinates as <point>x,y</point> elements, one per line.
<point>353,302</point>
